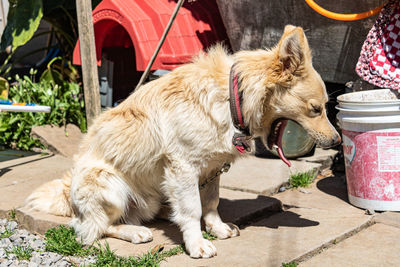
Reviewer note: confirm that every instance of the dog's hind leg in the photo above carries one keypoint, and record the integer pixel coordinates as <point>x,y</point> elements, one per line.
<point>99,198</point>
<point>132,231</point>
<point>212,220</point>
<point>182,189</point>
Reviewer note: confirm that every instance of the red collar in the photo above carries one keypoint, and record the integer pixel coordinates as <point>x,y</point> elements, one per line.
<point>240,139</point>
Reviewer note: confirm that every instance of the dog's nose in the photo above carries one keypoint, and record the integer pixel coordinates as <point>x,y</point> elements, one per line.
<point>336,140</point>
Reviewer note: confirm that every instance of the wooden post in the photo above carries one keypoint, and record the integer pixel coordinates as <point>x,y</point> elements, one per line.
<point>88,59</point>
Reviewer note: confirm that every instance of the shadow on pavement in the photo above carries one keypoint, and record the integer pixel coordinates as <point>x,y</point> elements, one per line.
<point>4,171</point>
<point>168,229</point>
<point>8,168</point>
<point>287,219</point>
<point>10,154</point>
<point>334,186</point>
<point>242,212</point>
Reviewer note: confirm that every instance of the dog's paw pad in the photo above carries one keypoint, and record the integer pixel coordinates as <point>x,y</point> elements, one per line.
<point>142,235</point>
<point>201,248</point>
<point>224,230</point>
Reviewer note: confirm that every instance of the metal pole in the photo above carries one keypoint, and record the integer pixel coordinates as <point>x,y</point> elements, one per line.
<point>153,58</point>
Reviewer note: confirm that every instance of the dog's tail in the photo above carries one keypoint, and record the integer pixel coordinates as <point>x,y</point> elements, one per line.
<point>52,197</point>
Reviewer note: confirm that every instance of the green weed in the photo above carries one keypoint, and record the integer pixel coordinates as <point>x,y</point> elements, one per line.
<point>12,215</point>
<point>7,233</point>
<point>173,251</point>
<point>209,236</point>
<point>302,179</point>
<point>62,240</point>
<point>290,264</point>
<point>107,257</point>
<point>22,253</point>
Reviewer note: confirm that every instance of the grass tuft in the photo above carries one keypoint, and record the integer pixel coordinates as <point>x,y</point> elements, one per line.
<point>12,215</point>
<point>209,236</point>
<point>107,257</point>
<point>62,240</point>
<point>22,253</point>
<point>7,233</point>
<point>302,179</point>
<point>290,264</point>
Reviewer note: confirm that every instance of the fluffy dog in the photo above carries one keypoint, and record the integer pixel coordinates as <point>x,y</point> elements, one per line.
<point>173,133</point>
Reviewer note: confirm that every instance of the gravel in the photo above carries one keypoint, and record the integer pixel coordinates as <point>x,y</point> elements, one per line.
<point>40,257</point>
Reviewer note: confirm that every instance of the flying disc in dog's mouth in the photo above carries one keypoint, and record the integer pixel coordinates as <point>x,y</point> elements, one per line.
<point>275,138</point>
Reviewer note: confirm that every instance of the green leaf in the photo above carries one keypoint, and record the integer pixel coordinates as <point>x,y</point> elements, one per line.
<point>4,86</point>
<point>3,128</point>
<point>52,76</point>
<point>23,19</point>
<point>13,120</point>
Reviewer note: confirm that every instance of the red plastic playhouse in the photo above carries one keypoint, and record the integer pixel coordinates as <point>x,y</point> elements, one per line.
<point>128,31</point>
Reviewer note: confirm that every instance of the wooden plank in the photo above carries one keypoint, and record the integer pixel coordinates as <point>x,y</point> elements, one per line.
<point>88,58</point>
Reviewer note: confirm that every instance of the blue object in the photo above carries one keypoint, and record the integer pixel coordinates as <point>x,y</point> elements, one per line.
<point>8,102</point>
<point>5,102</point>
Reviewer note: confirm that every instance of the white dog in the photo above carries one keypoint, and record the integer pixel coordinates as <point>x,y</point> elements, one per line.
<point>175,133</point>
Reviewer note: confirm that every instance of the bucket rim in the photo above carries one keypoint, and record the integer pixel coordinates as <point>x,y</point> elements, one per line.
<point>391,101</point>
<point>370,110</point>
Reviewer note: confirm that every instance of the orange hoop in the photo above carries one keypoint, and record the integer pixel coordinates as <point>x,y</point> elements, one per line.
<point>345,17</point>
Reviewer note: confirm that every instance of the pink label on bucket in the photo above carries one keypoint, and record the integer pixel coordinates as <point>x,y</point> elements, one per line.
<point>372,162</point>
<point>388,153</point>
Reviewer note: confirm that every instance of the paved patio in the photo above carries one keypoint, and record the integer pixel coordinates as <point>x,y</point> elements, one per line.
<point>315,226</point>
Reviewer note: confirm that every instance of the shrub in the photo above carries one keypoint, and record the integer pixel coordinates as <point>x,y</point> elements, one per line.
<point>66,102</point>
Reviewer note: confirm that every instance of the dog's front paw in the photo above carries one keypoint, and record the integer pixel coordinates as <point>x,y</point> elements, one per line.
<point>201,248</point>
<point>223,230</point>
<point>142,235</point>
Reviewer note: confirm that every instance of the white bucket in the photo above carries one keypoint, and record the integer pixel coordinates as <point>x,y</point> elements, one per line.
<point>370,122</point>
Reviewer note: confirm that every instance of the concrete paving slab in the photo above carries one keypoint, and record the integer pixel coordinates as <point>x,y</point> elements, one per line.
<point>60,140</point>
<point>241,207</point>
<point>377,245</point>
<point>19,177</point>
<point>295,234</point>
<point>323,156</point>
<point>235,206</point>
<point>262,176</point>
<point>283,237</point>
<point>164,232</point>
<point>389,218</point>
<point>39,222</point>
<point>328,193</point>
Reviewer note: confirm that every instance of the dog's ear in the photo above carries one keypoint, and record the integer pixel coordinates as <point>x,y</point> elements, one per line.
<point>292,49</point>
<point>289,28</point>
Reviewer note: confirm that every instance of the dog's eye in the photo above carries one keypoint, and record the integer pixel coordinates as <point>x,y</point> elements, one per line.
<point>316,109</point>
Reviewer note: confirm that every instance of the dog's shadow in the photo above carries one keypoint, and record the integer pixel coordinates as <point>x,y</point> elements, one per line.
<point>260,212</point>
<point>272,216</point>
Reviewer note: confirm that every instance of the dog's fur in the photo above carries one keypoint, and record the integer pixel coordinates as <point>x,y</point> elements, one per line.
<point>173,133</point>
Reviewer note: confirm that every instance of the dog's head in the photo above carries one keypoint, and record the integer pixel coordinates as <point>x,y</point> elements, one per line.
<point>289,88</point>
